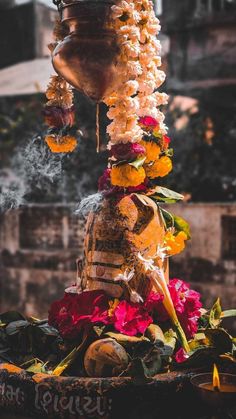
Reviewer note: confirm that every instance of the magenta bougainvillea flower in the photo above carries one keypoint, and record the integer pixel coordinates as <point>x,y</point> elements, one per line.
<point>148,122</point>
<point>186,302</point>
<point>131,319</point>
<point>75,312</point>
<point>127,152</point>
<point>181,356</point>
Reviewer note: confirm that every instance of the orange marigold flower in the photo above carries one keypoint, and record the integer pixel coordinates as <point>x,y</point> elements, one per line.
<point>152,150</point>
<point>59,144</point>
<point>175,244</point>
<point>159,168</point>
<point>126,175</point>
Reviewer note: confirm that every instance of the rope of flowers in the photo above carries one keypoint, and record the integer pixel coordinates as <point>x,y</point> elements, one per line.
<point>138,140</point>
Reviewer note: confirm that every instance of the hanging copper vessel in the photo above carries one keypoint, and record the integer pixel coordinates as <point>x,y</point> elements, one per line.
<point>86,58</point>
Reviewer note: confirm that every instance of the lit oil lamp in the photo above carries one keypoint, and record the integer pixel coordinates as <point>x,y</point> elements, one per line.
<point>217,391</point>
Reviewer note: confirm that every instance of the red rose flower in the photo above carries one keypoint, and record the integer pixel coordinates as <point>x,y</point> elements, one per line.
<point>127,152</point>
<point>148,122</point>
<point>186,302</point>
<point>57,117</point>
<point>75,312</point>
<point>131,319</point>
<point>166,141</point>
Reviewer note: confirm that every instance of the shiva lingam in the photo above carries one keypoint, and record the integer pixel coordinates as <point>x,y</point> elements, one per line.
<point>218,391</point>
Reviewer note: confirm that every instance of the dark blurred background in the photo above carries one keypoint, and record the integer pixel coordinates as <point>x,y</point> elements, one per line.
<point>40,236</point>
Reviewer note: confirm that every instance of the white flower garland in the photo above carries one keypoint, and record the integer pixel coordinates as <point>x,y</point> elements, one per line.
<point>134,94</point>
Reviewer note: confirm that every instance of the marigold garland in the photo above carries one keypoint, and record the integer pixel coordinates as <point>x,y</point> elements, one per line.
<point>58,144</point>
<point>159,168</point>
<point>126,175</point>
<point>152,150</point>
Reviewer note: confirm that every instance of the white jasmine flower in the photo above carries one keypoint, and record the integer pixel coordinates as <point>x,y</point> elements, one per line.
<point>135,297</point>
<point>125,276</point>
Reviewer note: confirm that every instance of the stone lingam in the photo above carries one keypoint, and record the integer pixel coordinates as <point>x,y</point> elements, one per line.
<point>125,340</point>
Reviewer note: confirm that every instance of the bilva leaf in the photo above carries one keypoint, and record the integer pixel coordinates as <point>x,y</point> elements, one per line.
<point>138,163</point>
<point>215,314</point>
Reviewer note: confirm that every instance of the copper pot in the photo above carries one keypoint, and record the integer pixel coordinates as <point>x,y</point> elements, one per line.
<point>87,57</point>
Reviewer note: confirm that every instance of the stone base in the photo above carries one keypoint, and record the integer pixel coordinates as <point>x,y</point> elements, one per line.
<point>165,396</point>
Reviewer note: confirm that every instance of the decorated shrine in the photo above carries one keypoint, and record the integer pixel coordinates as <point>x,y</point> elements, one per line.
<point>125,339</point>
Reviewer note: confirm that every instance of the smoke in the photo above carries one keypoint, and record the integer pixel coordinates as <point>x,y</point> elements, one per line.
<point>90,203</point>
<point>33,168</point>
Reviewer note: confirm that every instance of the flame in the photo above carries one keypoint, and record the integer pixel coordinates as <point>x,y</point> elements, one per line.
<point>216,379</point>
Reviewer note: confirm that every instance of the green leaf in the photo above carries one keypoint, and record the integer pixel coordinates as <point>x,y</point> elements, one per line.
<point>167,193</point>
<point>215,314</point>
<point>220,340</point>
<point>169,152</point>
<point>35,366</point>
<point>147,366</point>
<point>198,341</point>
<point>177,222</point>
<point>11,316</point>
<point>228,313</point>
<point>181,225</point>
<point>125,340</point>
<point>138,163</point>
<point>16,327</point>
<point>162,199</point>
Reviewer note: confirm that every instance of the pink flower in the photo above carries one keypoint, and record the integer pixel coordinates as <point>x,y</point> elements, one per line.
<point>131,319</point>
<point>181,356</point>
<point>127,152</point>
<point>148,122</point>
<point>74,312</point>
<point>186,302</point>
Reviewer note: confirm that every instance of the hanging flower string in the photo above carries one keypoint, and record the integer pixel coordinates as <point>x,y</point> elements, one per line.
<point>137,125</point>
<point>59,111</point>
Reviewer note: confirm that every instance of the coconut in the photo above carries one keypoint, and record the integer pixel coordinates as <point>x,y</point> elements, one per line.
<point>105,358</point>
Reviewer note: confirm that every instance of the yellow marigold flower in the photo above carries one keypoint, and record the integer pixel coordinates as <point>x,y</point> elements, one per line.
<point>159,168</point>
<point>126,175</point>
<point>58,144</point>
<point>152,150</point>
<point>175,244</point>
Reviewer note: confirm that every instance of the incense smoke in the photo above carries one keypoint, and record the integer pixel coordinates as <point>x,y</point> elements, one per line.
<point>33,168</point>
<point>88,204</point>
